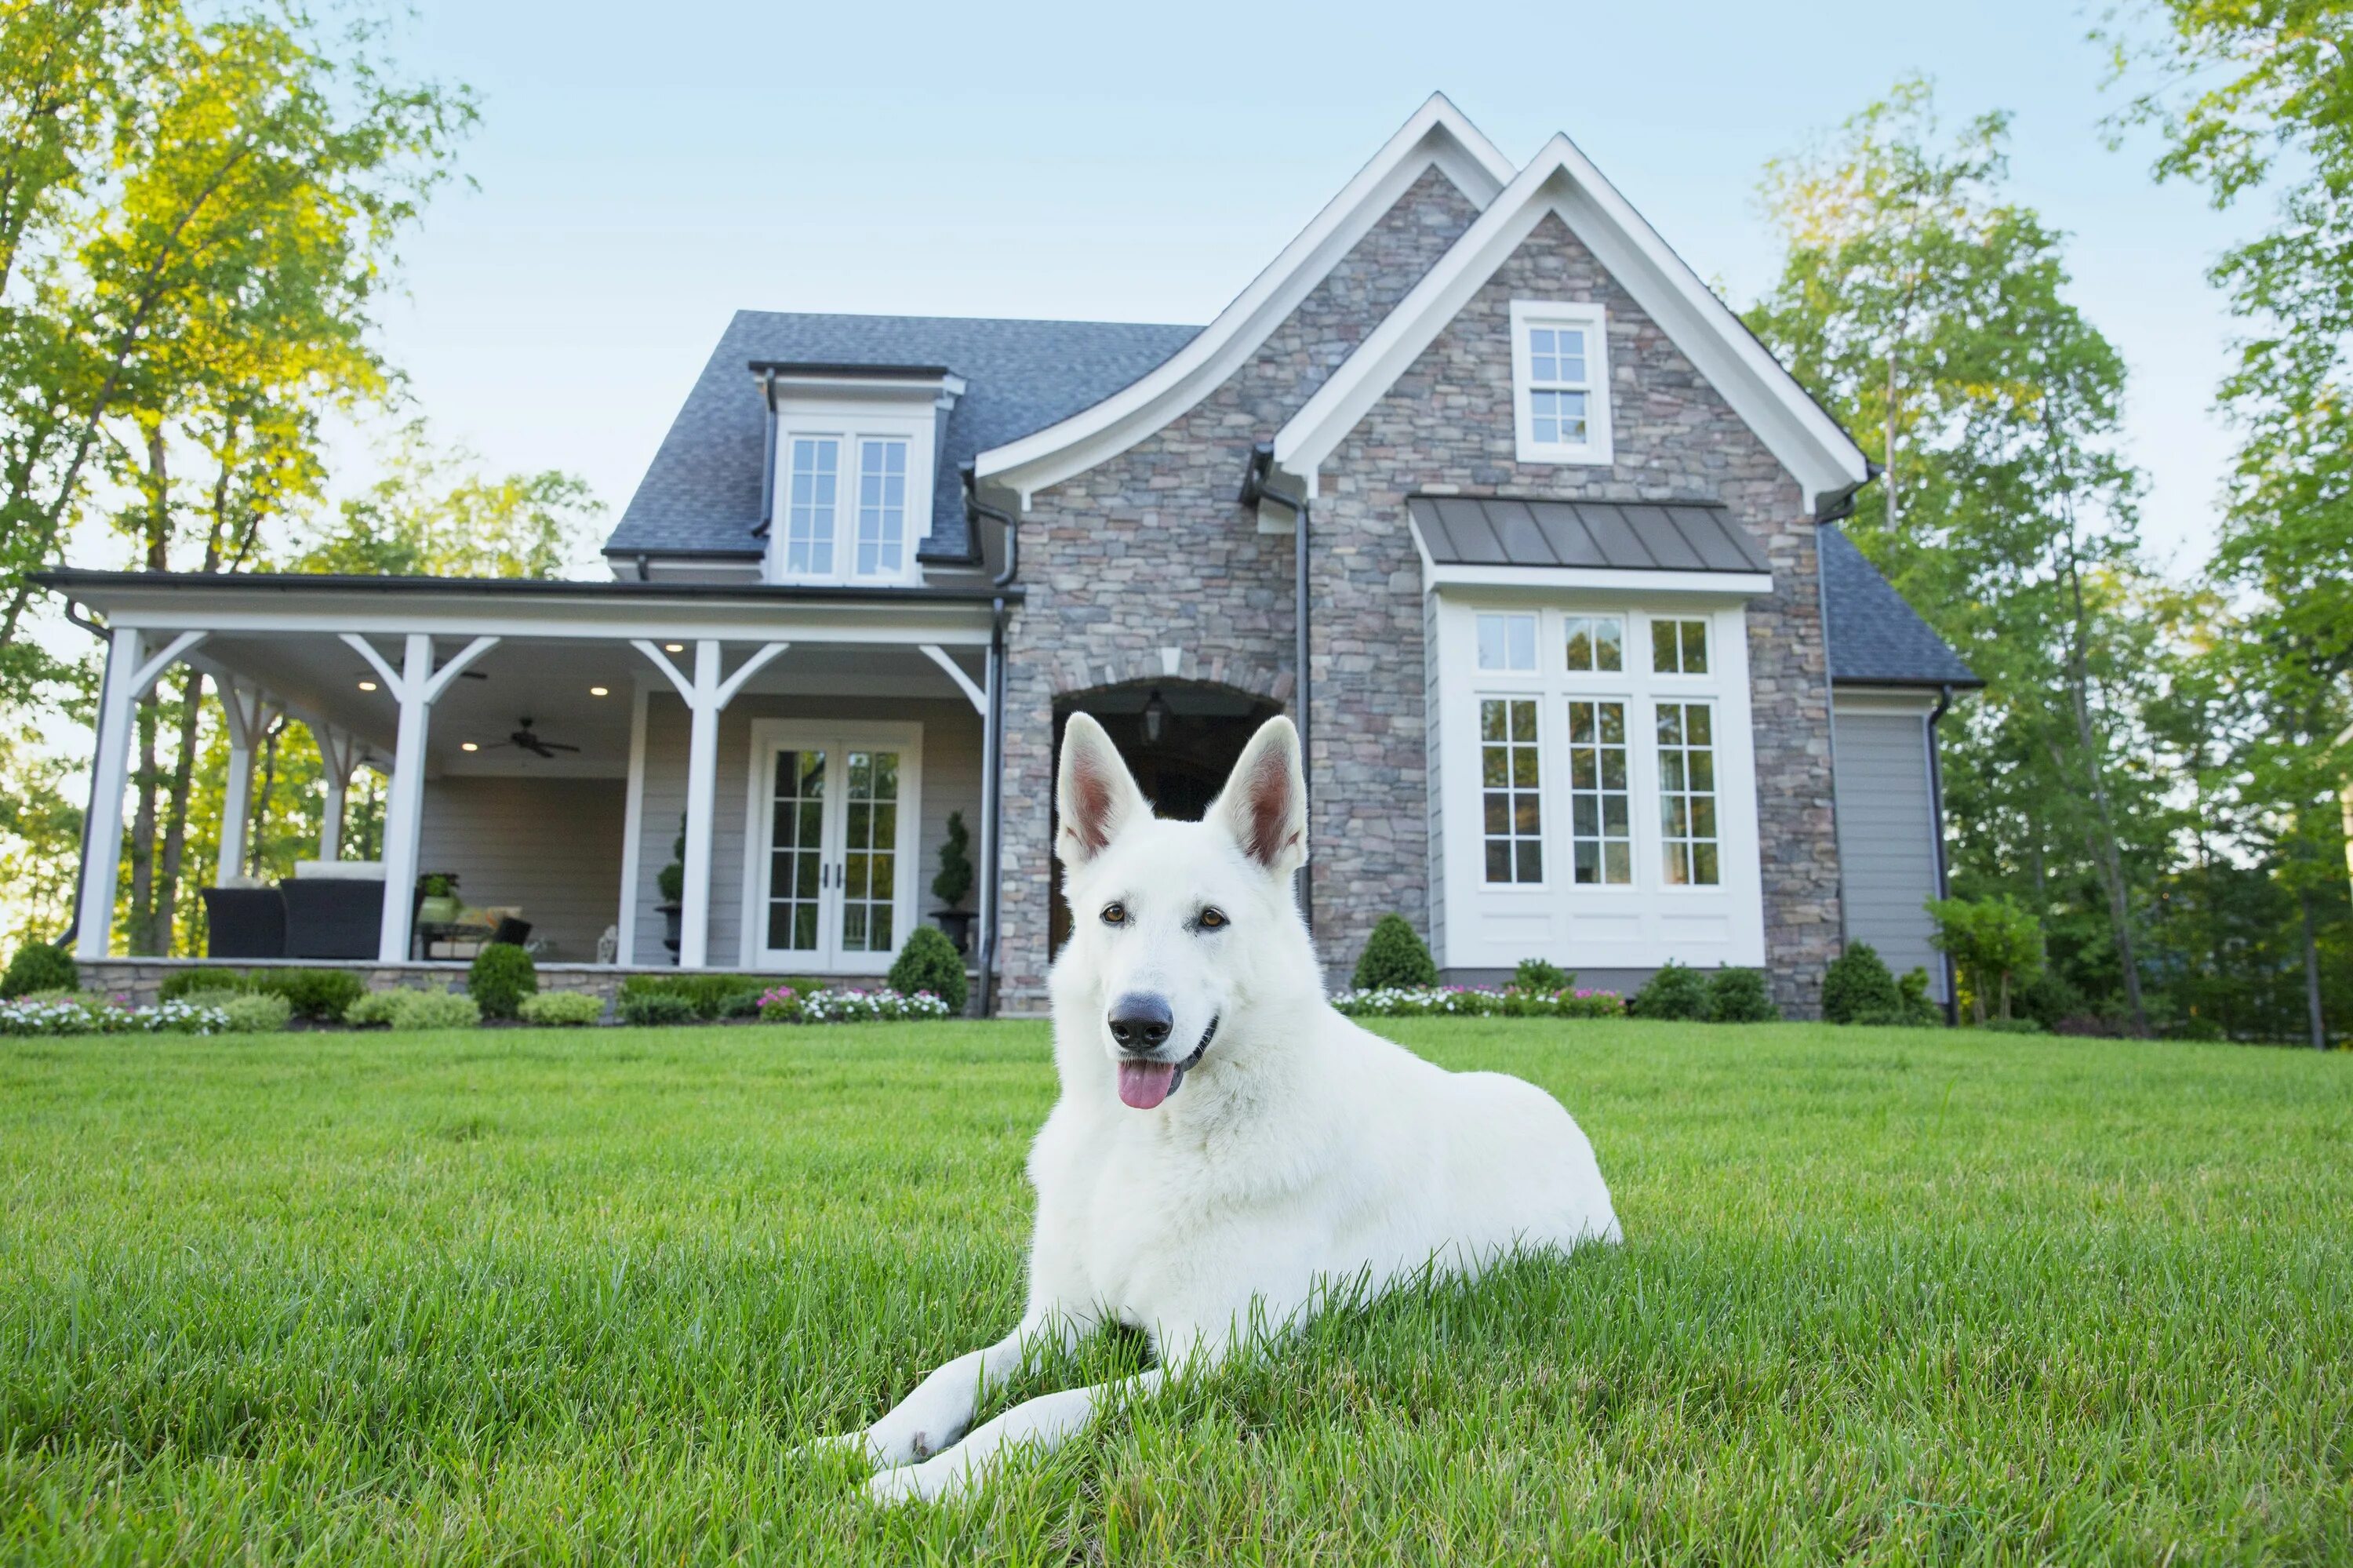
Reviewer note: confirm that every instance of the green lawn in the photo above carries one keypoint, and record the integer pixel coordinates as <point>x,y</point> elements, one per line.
<point>536,1296</point>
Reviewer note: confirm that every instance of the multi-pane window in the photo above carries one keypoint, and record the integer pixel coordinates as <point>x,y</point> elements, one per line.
<point>1511,779</point>
<point>1687,793</point>
<point>810,504</point>
<point>1600,821</point>
<point>797,848</point>
<point>1507,642</point>
<point>1679,647</point>
<point>882,508</point>
<point>870,859</point>
<point>1560,386</point>
<point>1595,642</point>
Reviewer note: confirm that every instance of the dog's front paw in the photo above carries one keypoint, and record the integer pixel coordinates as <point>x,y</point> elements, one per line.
<point>935,1480</point>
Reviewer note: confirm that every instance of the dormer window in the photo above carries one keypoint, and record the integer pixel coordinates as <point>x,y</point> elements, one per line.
<point>854,458</point>
<point>1560,381</point>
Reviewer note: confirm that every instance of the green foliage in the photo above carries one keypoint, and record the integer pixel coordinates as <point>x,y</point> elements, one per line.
<point>38,965</point>
<point>1997,943</point>
<point>928,961</point>
<point>707,996</point>
<point>189,983</point>
<point>1739,996</point>
<point>1919,1010</point>
<point>1858,989</point>
<point>1467,1001</point>
<point>656,1008</point>
<point>2014,1026</point>
<point>1541,975</point>
<point>564,1008</point>
<point>406,1011</point>
<point>437,884</point>
<point>1394,956</point>
<point>319,994</point>
<point>502,975</point>
<point>1676,991</point>
<point>371,1009</point>
<point>432,515</point>
<point>255,1013</point>
<point>955,879</point>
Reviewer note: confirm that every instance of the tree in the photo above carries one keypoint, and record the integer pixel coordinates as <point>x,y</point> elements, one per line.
<point>2251,95</point>
<point>1996,942</point>
<point>1932,315</point>
<point>432,514</point>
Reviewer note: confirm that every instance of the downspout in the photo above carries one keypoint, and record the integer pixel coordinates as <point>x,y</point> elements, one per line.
<point>1255,490</point>
<point>1937,820</point>
<point>993,767</point>
<point>90,812</point>
<point>1829,516</point>
<point>767,456</point>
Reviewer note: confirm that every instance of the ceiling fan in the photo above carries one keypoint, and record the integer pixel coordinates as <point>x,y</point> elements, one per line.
<point>523,740</point>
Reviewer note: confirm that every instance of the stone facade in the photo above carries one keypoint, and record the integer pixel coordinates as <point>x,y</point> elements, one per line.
<point>1149,551</point>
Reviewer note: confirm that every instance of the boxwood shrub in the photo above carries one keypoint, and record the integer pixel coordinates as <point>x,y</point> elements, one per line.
<point>501,976</point>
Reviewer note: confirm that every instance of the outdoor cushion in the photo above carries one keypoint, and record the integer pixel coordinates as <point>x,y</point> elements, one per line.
<point>333,917</point>
<point>244,922</point>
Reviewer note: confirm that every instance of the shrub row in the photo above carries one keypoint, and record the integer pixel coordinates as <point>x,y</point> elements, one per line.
<point>1858,989</point>
<point>75,1012</point>
<point>1721,996</point>
<point>1469,1001</point>
<point>317,994</point>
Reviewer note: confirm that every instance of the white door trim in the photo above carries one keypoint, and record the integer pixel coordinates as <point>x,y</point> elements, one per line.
<point>837,736</point>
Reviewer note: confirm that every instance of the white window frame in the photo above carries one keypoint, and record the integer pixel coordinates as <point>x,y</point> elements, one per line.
<point>1597,447</point>
<point>1595,925</point>
<point>838,737</point>
<point>1535,650</point>
<point>1544,793</point>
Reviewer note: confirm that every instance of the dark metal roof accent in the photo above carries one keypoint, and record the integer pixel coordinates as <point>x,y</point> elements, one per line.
<point>702,492</point>
<point>69,580</point>
<point>1876,639</point>
<point>848,372</point>
<point>1647,536</point>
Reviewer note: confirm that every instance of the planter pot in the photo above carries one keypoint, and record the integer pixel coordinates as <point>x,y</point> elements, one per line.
<point>440,911</point>
<point>670,914</point>
<point>958,924</point>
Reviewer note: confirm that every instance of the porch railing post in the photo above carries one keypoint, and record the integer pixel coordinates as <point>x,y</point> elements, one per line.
<point>403,806</point>
<point>109,774</point>
<point>702,784</point>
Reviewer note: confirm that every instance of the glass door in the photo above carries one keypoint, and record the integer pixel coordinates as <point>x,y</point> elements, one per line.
<point>834,820</point>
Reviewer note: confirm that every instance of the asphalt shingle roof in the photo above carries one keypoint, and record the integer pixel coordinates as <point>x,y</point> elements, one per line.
<point>702,492</point>
<point>1874,635</point>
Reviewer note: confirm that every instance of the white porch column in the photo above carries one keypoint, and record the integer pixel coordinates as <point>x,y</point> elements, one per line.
<point>249,717</point>
<point>127,680</point>
<point>340,750</point>
<point>415,686</point>
<point>707,696</point>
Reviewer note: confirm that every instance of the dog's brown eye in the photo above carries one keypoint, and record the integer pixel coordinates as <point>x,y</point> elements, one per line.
<point>1214,920</point>
<point>1114,914</point>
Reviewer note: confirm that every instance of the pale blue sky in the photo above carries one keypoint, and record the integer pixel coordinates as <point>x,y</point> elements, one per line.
<point>642,172</point>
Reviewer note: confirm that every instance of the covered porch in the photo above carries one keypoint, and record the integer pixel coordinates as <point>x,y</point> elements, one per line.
<point>790,757</point>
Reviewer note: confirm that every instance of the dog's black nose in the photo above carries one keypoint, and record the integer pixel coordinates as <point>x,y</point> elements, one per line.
<point>1141,1021</point>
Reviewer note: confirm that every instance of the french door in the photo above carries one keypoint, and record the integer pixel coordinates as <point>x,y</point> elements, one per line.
<point>834,841</point>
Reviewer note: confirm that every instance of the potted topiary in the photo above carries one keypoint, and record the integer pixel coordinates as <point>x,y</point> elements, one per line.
<point>671,881</point>
<point>441,903</point>
<point>953,883</point>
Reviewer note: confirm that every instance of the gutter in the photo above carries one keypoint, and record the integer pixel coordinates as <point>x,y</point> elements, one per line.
<point>1255,490</point>
<point>993,767</point>
<point>767,457</point>
<point>74,582</point>
<point>1842,507</point>
<point>1937,817</point>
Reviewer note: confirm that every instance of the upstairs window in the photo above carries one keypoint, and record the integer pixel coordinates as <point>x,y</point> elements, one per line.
<point>810,506</point>
<point>1507,642</point>
<point>1679,647</point>
<point>882,508</point>
<point>1560,381</point>
<point>844,506</point>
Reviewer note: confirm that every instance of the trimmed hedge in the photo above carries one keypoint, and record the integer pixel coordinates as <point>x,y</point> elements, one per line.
<point>929,961</point>
<point>1676,991</point>
<point>412,1010</point>
<point>319,994</point>
<point>560,1009</point>
<point>707,996</point>
<point>37,967</point>
<point>1739,996</point>
<point>1857,989</point>
<point>502,975</point>
<point>653,1009</point>
<point>1393,958</point>
<point>257,1013</point>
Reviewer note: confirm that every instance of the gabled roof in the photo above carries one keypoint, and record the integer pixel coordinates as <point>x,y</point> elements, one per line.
<point>1437,136</point>
<point>1875,638</point>
<point>1561,180</point>
<point>700,494</point>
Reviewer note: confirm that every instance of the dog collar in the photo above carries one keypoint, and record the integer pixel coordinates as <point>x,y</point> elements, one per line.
<point>1189,1062</point>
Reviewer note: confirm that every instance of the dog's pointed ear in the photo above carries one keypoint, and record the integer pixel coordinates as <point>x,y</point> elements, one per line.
<point>1264,804</point>
<point>1095,795</point>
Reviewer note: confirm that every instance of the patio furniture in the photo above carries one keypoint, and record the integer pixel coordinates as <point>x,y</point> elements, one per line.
<point>331,917</point>
<point>511,931</point>
<point>244,922</point>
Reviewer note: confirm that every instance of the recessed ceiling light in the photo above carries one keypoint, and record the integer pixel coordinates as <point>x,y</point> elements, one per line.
<point>468,746</point>
<point>367,686</point>
<point>673,647</point>
<point>598,691</point>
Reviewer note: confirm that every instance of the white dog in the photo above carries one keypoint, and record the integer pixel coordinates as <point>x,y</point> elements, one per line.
<point>1226,1144</point>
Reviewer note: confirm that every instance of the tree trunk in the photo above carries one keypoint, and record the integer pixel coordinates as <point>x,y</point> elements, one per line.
<point>140,934</point>
<point>253,846</point>
<point>2313,1018</point>
<point>175,817</point>
<point>2005,996</point>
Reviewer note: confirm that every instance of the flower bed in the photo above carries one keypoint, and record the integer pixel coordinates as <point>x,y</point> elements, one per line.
<point>1469,1001</point>
<point>62,1015</point>
<point>783,1004</point>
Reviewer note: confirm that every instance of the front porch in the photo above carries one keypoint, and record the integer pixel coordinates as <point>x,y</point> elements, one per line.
<point>647,776</point>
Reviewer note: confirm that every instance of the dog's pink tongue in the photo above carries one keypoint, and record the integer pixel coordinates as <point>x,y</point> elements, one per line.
<point>1145,1084</point>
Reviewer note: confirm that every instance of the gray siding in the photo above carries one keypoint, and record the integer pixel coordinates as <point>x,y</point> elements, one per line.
<point>951,783</point>
<point>551,846</point>
<point>1886,831</point>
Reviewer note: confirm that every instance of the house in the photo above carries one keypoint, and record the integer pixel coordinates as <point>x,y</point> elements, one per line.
<point>1477,480</point>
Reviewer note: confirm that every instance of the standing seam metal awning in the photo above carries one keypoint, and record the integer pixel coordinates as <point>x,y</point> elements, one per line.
<point>1609,535</point>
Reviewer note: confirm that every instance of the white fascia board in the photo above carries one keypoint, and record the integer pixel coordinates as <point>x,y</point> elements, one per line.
<point>1560,179</point>
<point>1436,136</point>
<point>1704,585</point>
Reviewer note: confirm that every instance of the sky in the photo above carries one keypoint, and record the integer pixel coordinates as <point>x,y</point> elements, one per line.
<point>641,173</point>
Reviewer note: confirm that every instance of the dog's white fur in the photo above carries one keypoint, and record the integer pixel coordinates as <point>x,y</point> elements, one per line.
<point>1300,1150</point>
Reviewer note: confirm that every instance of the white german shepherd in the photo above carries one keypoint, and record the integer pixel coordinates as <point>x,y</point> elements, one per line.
<point>1226,1144</point>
